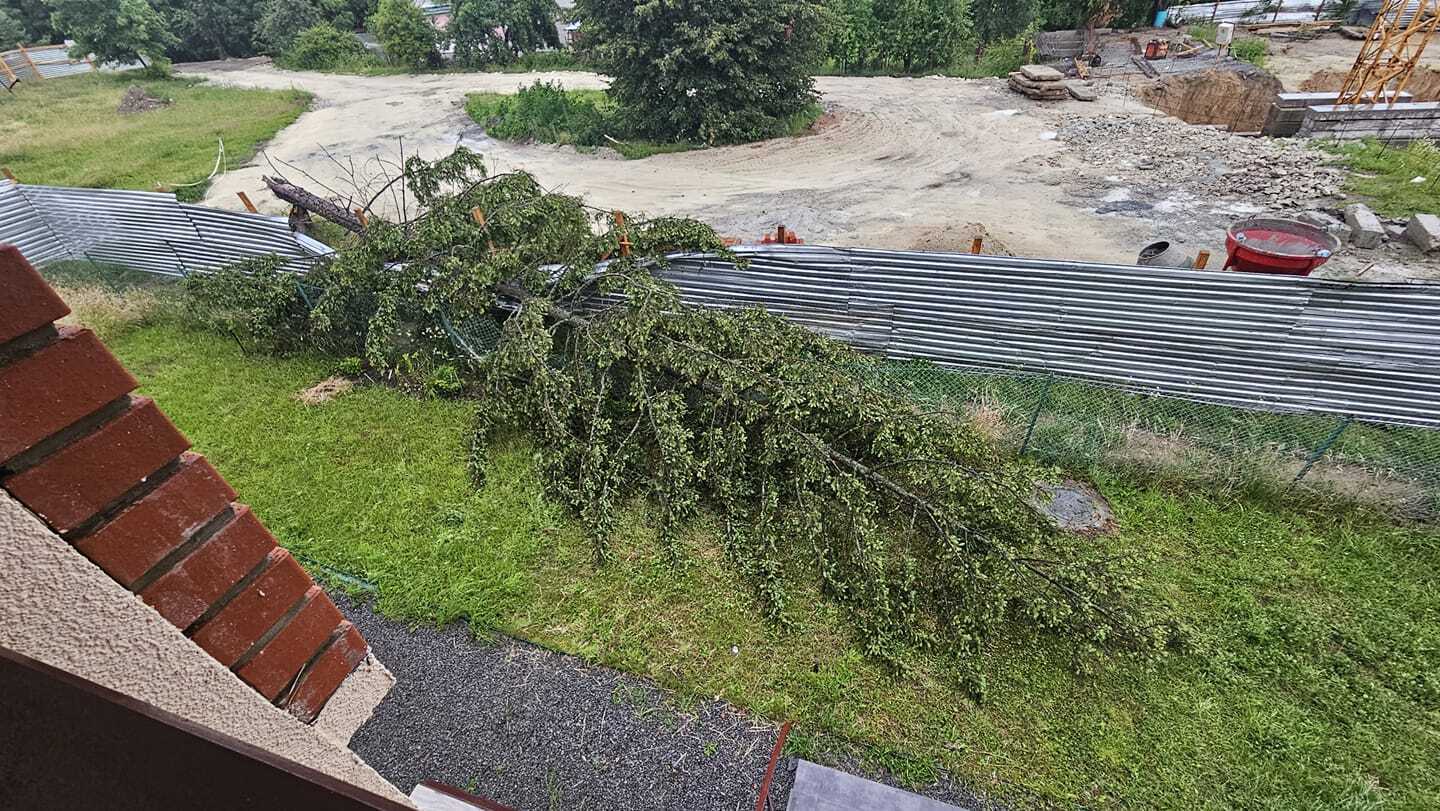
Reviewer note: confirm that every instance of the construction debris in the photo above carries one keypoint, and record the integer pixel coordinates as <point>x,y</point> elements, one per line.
<point>136,100</point>
<point>1205,161</point>
<point>1369,231</point>
<point>1424,232</point>
<point>1040,83</point>
<point>1082,91</point>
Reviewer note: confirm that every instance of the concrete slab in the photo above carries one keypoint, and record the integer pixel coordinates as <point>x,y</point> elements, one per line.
<point>818,788</point>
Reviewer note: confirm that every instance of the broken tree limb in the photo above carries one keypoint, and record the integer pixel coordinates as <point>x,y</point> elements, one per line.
<point>315,204</point>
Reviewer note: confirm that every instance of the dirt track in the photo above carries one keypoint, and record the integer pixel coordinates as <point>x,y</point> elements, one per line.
<point>905,163</point>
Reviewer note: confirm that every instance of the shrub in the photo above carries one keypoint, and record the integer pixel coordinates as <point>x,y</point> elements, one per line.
<point>253,301</point>
<point>408,38</point>
<point>545,112</point>
<point>1252,50</point>
<point>715,71</point>
<point>321,47</point>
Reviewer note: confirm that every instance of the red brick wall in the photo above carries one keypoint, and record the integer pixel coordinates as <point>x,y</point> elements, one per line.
<point>109,473</point>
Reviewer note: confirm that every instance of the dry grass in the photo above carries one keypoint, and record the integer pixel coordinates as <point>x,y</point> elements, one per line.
<point>325,391</point>
<point>108,312</point>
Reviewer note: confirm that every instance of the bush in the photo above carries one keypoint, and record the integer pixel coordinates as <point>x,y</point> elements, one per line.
<point>408,38</point>
<point>1252,50</point>
<point>321,47</point>
<point>545,112</point>
<point>254,302</point>
<point>713,71</point>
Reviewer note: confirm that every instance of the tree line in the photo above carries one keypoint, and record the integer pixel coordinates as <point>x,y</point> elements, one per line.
<point>195,30</point>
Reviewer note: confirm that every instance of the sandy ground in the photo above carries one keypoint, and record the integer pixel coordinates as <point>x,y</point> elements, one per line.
<point>903,163</point>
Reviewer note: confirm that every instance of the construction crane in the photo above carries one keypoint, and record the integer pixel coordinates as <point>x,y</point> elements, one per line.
<point>1391,52</point>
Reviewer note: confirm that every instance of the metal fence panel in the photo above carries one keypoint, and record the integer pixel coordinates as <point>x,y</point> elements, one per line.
<point>50,61</point>
<point>1253,11</point>
<point>1273,343</point>
<point>143,230</point>
<point>22,226</point>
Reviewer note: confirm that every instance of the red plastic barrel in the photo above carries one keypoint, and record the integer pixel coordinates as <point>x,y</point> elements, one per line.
<point>1283,247</point>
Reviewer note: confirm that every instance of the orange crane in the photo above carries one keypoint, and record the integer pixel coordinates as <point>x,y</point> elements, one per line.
<point>1391,52</point>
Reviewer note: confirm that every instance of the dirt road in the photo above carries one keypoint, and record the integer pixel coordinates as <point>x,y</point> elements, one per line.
<point>905,163</point>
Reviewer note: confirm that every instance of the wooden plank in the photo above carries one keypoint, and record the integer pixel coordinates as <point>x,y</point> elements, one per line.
<point>30,61</point>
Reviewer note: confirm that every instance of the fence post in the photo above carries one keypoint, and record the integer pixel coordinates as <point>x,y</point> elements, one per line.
<point>1035,417</point>
<point>5,66</point>
<point>1323,449</point>
<point>29,61</point>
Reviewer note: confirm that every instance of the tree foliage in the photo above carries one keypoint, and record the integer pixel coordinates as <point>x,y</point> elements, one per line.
<point>125,31</point>
<point>475,31</point>
<point>321,47</point>
<point>34,19</point>
<point>716,71</point>
<point>820,482</point>
<point>12,30</point>
<point>408,38</point>
<point>209,29</point>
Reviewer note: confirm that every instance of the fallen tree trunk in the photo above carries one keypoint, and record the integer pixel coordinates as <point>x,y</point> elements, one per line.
<point>315,204</point>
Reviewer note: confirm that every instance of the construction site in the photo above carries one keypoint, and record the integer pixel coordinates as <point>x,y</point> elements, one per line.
<point>1063,438</point>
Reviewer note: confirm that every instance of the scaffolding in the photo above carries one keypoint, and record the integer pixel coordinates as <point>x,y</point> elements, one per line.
<point>1391,52</point>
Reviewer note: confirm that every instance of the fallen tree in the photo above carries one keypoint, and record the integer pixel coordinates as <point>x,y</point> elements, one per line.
<point>815,474</point>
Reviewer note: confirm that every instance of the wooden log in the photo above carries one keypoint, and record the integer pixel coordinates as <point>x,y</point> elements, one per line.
<point>315,204</point>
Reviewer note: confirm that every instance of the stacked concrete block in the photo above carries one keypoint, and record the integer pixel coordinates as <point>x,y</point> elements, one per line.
<point>1393,123</point>
<point>1040,83</point>
<point>107,471</point>
<point>1289,111</point>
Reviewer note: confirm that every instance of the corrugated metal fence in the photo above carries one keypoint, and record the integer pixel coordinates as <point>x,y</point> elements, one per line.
<point>1363,351</point>
<point>42,62</point>
<point>144,230</point>
<point>1255,12</point>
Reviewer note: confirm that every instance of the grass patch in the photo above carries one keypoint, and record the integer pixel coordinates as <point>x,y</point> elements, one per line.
<point>586,119</point>
<point>372,64</point>
<point>1385,175</point>
<point>68,132</point>
<point>1316,638</point>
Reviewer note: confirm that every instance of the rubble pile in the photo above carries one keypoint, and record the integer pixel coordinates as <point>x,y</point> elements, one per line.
<point>1161,152</point>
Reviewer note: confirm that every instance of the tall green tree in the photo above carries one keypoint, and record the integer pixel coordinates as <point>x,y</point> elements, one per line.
<point>712,70</point>
<point>995,20</point>
<point>125,31</point>
<point>855,36</point>
<point>34,18</point>
<point>209,29</point>
<point>530,25</point>
<point>12,30</point>
<point>919,35</point>
<point>408,38</point>
<point>475,30</point>
<point>281,21</point>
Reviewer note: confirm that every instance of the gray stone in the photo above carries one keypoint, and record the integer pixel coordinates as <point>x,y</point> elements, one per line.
<point>1424,232</point>
<point>1041,73</point>
<point>1320,219</point>
<point>1083,91</point>
<point>1395,232</point>
<point>818,788</point>
<point>1369,233</point>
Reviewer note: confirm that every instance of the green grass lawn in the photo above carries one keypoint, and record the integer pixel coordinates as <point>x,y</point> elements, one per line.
<point>1312,680</point>
<point>68,132</point>
<point>1386,175</point>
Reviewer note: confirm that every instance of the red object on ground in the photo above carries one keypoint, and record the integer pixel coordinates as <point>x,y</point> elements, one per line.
<point>1281,247</point>
<point>763,800</point>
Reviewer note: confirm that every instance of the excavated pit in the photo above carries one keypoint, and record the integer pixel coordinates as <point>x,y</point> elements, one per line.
<point>1239,101</point>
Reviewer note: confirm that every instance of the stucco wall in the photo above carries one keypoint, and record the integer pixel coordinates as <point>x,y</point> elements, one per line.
<point>59,608</point>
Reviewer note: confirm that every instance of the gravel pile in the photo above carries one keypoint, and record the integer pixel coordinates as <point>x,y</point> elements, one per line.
<point>536,730</point>
<point>1205,161</point>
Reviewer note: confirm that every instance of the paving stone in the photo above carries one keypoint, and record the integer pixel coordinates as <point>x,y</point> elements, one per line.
<point>1041,73</point>
<point>818,788</point>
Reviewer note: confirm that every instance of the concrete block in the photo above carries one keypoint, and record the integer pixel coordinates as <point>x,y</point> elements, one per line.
<point>1369,233</point>
<point>1424,232</point>
<point>1082,91</point>
<point>1041,73</point>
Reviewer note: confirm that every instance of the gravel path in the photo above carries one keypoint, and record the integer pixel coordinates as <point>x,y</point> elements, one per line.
<point>536,730</point>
